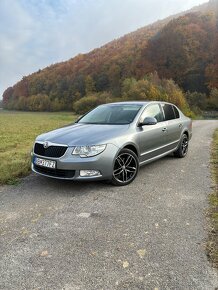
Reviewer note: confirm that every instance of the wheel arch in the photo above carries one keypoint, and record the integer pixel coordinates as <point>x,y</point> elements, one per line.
<point>186,133</point>
<point>131,147</point>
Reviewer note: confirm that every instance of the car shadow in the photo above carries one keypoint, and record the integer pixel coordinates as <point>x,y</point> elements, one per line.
<point>38,185</point>
<point>85,186</point>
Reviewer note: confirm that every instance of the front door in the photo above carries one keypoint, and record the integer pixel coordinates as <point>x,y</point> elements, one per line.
<point>152,138</point>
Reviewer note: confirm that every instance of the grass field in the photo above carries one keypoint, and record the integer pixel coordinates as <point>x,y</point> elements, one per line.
<point>212,245</point>
<point>17,133</point>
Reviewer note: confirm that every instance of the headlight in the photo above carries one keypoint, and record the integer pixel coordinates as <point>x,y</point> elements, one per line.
<point>88,151</point>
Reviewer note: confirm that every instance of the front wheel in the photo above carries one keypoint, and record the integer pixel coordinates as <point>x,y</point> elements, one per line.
<point>182,150</point>
<point>126,168</point>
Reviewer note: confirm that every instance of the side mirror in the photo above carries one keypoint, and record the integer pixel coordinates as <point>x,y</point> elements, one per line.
<point>148,121</point>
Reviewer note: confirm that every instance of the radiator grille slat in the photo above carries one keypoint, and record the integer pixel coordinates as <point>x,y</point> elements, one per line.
<point>51,151</point>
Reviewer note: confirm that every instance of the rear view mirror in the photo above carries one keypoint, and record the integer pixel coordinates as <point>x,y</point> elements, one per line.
<point>148,121</point>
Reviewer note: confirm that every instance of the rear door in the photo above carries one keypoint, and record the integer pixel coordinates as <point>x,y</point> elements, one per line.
<point>173,124</point>
<point>152,138</point>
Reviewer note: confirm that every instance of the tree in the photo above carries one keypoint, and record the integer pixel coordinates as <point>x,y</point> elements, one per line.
<point>151,87</point>
<point>196,100</point>
<point>114,76</point>
<point>86,104</point>
<point>7,96</point>
<point>102,82</point>
<point>90,85</point>
<point>213,100</point>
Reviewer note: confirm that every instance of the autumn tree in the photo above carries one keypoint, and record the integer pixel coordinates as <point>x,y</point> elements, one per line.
<point>89,85</point>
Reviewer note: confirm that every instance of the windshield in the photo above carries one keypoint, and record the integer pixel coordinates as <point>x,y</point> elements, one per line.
<point>111,114</point>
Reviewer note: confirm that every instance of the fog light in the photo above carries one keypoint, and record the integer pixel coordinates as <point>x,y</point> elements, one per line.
<point>84,173</point>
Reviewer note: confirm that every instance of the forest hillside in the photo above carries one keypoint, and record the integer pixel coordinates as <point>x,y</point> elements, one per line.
<point>175,59</point>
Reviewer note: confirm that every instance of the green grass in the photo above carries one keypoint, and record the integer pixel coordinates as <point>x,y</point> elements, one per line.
<point>212,245</point>
<point>18,131</point>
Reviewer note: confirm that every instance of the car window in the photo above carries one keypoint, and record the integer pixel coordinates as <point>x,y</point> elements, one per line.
<point>168,111</point>
<point>176,112</point>
<point>153,111</point>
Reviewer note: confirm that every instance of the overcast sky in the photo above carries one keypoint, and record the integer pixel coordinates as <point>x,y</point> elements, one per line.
<point>37,33</point>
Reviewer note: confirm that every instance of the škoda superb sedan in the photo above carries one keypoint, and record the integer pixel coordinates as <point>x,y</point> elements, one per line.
<point>112,141</point>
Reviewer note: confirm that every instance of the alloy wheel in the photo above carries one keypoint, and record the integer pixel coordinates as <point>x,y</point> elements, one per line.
<point>184,146</point>
<point>125,168</point>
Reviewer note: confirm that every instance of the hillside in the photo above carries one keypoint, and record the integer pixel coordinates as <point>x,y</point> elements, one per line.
<point>183,47</point>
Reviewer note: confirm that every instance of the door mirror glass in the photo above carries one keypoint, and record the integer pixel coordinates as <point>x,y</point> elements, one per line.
<point>148,121</point>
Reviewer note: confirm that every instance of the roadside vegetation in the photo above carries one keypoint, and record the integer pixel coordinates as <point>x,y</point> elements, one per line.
<point>212,245</point>
<point>17,133</point>
<point>150,87</point>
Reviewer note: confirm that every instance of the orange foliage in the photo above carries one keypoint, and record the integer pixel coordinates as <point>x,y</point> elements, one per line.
<point>183,49</point>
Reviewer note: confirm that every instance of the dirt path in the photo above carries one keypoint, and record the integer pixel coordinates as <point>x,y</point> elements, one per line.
<point>148,235</point>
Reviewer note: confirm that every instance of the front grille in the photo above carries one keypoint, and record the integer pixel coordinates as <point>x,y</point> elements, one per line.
<point>55,172</point>
<point>51,151</point>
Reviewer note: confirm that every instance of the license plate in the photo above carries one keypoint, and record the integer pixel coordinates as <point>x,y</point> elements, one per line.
<point>45,163</point>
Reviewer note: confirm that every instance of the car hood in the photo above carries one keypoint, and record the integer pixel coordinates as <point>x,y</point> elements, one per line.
<point>84,134</point>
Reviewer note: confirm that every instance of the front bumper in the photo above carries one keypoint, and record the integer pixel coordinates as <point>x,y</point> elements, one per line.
<point>68,166</point>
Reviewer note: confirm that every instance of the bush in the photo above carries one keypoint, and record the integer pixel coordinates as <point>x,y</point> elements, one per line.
<point>197,101</point>
<point>212,103</point>
<point>86,104</point>
<point>91,101</point>
<point>40,102</point>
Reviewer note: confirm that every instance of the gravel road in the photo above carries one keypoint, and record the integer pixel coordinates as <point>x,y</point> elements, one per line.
<point>87,236</point>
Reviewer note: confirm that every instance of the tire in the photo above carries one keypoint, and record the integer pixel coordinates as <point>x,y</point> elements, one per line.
<point>182,150</point>
<point>126,168</point>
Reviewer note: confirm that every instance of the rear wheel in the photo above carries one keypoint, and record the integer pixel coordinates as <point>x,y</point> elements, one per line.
<point>183,147</point>
<point>125,168</point>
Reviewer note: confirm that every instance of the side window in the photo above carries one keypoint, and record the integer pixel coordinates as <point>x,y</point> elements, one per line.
<point>169,112</point>
<point>152,111</point>
<point>176,112</point>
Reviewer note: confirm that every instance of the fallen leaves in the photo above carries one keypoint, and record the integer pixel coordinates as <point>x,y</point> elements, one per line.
<point>44,253</point>
<point>141,253</point>
<point>84,215</point>
<point>36,218</point>
<point>125,264</point>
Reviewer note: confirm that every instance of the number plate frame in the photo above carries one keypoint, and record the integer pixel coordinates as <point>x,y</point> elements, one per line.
<point>45,163</point>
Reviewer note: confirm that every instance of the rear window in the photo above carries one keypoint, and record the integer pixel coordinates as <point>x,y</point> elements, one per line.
<point>169,112</point>
<point>176,112</point>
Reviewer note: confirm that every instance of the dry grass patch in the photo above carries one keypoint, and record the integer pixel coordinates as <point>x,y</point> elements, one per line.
<point>212,245</point>
<point>18,131</point>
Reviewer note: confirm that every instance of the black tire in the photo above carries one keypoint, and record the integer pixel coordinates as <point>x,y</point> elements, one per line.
<point>182,150</point>
<point>126,168</point>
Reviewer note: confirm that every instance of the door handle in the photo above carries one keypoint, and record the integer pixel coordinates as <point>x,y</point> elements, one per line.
<point>164,129</point>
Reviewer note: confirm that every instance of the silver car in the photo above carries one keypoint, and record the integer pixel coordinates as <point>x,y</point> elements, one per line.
<point>112,141</point>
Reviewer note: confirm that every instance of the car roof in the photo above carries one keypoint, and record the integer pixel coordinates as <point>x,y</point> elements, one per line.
<point>129,103</point>
<point>141,103</point>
